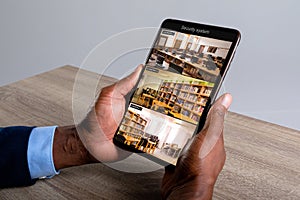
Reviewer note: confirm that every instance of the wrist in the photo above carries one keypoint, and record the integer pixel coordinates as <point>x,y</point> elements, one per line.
<point>68,149</point>
<point>191,190</point>
<point>205,192</point>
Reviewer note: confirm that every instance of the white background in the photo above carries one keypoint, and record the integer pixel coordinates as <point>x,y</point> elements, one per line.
<point>38,36</point>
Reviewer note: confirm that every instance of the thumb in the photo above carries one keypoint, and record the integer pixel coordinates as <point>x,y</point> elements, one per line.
<point>126,84</point>
<point>215,121</point>
<point>217,112</point>
<point>205,140</point>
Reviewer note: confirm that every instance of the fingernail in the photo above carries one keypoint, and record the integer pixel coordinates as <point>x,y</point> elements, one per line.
<point>139,67</point>
<point>226,101</point>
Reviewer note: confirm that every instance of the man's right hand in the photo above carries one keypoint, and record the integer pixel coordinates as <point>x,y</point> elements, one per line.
<point>202,160</point>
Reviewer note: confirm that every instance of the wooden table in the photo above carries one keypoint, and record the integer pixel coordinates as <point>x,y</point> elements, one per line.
<point>263,159</point>
<point>130,139</point>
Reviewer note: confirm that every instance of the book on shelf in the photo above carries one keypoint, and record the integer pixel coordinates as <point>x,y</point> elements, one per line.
<point>179,101</point>
<point>202,100</point>
<point>173,98</point>
<point>198,109</point>
<point>195,117</point>
<point>178,86</point>
<point>133,124</point>
<point>175,92</point>
<point>186,98</point>
<point>183,94</point>
<point>192,97</point>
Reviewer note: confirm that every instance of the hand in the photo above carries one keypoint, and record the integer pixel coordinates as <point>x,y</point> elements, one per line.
<point>97,130</point>
<point>202,160</point>
<point>91,141</point>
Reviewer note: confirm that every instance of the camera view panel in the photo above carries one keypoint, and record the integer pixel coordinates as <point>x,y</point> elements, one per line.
<point>172,94</point>
<point>151,132</point>
<point>190,55</point>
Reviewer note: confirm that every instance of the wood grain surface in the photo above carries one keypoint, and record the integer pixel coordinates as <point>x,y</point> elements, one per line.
<point>263,159</point>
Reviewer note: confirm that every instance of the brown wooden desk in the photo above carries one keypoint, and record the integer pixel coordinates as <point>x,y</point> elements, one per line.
<point>263,159</point>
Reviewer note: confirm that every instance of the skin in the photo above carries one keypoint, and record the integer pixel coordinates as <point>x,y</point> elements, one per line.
<point>198,167</point>
<point>91,141</point>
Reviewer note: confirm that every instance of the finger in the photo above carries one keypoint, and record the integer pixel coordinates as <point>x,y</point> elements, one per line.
<point>214,131</point>
<point>215,119</point>
<point>224,100</point>
<point>126,84</point>
<point>213,126</point>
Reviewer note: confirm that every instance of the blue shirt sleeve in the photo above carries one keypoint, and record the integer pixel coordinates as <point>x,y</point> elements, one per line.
<point>39,153</point>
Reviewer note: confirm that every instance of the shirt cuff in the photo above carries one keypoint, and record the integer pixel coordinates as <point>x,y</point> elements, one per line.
<point>39,152</point>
